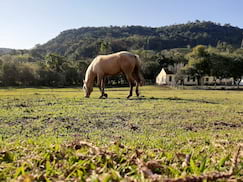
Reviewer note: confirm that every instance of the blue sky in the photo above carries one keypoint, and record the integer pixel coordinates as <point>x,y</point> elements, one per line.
<point>25,23</point>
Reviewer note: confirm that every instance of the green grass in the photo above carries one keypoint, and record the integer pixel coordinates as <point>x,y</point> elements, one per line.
<point>38,127</point>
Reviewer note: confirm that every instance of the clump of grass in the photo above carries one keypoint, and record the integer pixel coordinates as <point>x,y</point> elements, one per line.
<point>167,134</point>
<point>82,161</point>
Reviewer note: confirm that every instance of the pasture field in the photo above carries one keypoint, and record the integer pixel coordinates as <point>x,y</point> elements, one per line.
<point>167,134</point>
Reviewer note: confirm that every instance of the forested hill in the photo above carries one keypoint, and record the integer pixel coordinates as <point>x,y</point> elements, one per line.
<point>89,41</point>
<point>5,51</point>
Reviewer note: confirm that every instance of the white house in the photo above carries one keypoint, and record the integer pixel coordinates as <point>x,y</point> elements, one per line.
<point>167,77</point>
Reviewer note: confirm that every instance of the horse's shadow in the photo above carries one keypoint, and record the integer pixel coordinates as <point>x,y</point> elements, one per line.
<point>182,100</point>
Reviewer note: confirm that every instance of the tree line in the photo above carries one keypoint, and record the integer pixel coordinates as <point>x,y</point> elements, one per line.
<point>218,62</point>
<point>222,61</point>
<point>54,70</point>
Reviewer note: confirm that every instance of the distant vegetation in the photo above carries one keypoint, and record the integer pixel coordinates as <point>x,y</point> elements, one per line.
<point>63,60</point>
<point>5,51</point>
<point>88,42</point>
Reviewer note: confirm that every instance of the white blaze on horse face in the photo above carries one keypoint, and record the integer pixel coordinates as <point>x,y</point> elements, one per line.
<point>87,90</point>
<point>84,87</point>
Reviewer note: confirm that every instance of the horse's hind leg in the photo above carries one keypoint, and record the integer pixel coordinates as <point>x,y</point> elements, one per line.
<point>137,90</point>
<point>130,80</point>
<point>136,77</point>
<point>131,89</point>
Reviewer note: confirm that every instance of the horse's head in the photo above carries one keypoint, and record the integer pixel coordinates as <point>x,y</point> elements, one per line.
<point>87,89</point>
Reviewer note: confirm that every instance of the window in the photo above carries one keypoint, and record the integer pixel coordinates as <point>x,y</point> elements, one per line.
<point>194,79</point>
<point>188,78</point>
<point>206,79</point>
<point>170,78</point>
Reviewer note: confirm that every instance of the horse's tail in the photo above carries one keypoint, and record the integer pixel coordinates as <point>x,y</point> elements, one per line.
<point>137,72</point>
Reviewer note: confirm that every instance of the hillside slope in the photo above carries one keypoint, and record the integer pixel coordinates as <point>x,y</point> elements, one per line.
<point>5,51</point>
<point>89,41</point>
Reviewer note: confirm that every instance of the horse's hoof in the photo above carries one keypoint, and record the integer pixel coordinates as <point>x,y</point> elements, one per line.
<point>103,96</point>
<point>128,96</point>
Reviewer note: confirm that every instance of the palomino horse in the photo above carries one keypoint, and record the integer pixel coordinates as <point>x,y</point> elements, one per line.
<point>112,64</point>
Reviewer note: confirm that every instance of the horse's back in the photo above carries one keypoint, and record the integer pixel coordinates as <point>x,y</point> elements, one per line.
<point>128,61</point>
<point>107,64</point>
<point>115,63</point>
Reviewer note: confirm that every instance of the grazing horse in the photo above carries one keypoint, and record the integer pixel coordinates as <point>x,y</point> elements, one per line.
<point>113,64</point>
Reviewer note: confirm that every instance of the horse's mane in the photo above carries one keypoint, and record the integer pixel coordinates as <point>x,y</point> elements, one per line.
<point>89,71</point>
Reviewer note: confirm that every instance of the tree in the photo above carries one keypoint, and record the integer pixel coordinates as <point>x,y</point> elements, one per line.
<point>198,63</point>
<point>219,66</point>
<point>180,77</point>
<point>150,69</point>
<point>236,68</point>
<point>28,74</point>
<point>71,72</point>
<point>105,47</point>
<point>55,62</point>
<point>224,47</point>
<point>1,71</point>
<point>10,73</point>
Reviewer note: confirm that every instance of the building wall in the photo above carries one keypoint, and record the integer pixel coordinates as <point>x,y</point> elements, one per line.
<point>164,78</point>
<point>161,78</point>
<point>190,81</point>
<point>211,80</point>
<point>170,79</point>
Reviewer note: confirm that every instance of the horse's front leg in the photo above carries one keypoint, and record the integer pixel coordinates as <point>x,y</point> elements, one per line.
<point>103,88</point>
<point>99,81</point>
<point>101,85</point>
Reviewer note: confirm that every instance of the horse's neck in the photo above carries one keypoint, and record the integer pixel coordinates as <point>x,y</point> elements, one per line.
<point>89,77</point>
